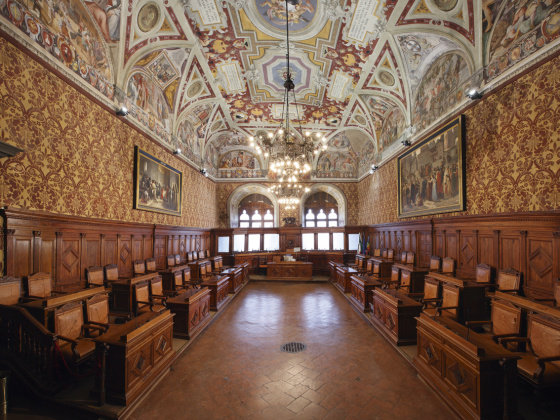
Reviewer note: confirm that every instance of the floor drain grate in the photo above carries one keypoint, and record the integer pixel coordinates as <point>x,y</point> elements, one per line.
<point>293,347</point>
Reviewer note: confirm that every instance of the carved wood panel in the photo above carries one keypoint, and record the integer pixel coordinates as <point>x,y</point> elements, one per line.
<point>451,245</point>
<point>148,248</point>
<point>486,249</point>
<point>68,259</point>
<point>23,249</point>
<point>47,262</point>
<point>510,252</point>
<point>440,244</point>
<point>467,253</point>
<point>425,251</point>
<point>125,255</point>
<point>540,264</point>
<point>92,249</point>
<point>137,248</point>
<point>109,252</point>
<point>160,251</point>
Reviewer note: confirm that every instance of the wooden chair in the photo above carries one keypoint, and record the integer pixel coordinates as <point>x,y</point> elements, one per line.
<point>190,257</point>
<point>540,363</point>
<point>484,274</point>
<point>151,265</point>
<point>390,254</point>
<point>432,290</point>
<point>200,255</point>
<point>435,263</point>
<point>448,266</point>
<point>139,267</point>
<point>146,299</point>
<point>207,253</point>
<point>377,252</point>
<point>508,281</point>
<point>369,267</point>
<point>39,286</point>
<point>10,290</point>
<point>97,313</point>
<point>112,273</point>
<point>177,259</point>
<point>170,260</point>
<point>410,258</point>
<point>403,257</point>
<point>276,258</point>
<point>505,322</point>
<point>385,254</point>
<point>552,301</point>
<point>95,277</point>
<point>446,306</point>
<point>69,327</point>
<point>262,265</point>
<point>395,279</point>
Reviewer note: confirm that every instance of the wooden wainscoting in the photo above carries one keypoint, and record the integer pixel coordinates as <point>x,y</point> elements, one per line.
<point>527,242</point>
<point>66,245</point>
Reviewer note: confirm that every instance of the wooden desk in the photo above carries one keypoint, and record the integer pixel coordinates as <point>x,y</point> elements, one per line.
<point>235,278</point>
<point>395,315</point>
<point>361,289</point>
<point>124,299</point>
<point>43,309</point>
<point>170,276</point>
<point>332,269</point>
<point>139,351</point>
<point>198,268</point>
<point>469,374</point>
<point>219,291</point>
<point>381,267</point>
<point>320,259</point>
<point>411,277</point>
<point>192,312</point>
<point>471,297</point>
<point>528,305</point>
<point>289,270</point>
<point>343,275</point>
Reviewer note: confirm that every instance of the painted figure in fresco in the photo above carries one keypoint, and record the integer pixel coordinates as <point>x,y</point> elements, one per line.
<point>276,11</point>
<point>107,15</point>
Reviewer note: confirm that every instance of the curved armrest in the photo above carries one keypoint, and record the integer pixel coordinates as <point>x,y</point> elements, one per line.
<point>97,325</point>
<point>547,359</point>
<point>70,340</point>
<point>477,323</point>
<point>445,308</point>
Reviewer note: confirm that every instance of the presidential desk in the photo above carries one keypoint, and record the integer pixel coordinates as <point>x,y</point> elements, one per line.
<point>320,259</point>
<point>289,270</point>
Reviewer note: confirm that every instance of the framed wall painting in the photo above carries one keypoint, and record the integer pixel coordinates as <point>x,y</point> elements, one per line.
<point>431,175</point>
<point>157,186</point>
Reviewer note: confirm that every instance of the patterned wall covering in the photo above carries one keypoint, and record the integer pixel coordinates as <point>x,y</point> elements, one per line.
<point>513,153</point>
<point>79,158</point>
<point>224,190</point>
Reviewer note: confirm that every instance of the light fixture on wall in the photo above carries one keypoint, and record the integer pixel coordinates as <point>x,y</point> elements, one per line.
<point>373,169</point>
<point>289,148</point>
<point>474,94</point>
<point>122,111</point>
<point>204,172</point>
<point>177,151</point>
<point>406,143</point>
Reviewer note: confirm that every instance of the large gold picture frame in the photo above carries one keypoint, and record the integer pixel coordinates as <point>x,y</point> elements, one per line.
<point>157,186</point>
<point>431,175</point>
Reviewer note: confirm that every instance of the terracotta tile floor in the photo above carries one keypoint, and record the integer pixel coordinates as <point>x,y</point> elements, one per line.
<point>236,369</point>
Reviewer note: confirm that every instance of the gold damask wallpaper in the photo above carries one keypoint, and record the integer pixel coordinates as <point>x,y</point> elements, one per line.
<point>224,190</point>
<point>79,158</point>
<point>513,153</point>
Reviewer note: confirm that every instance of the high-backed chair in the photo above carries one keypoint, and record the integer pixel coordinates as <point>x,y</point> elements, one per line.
<point>508,281</point>
<point>448,266</point>
<point>432,290</point>
<point>390,254</point>
<point>151,265</point>
<point>385,253</point>
<point>540,363</point>
<point>377,252</point>
<point>505,322</point>
<point>369,266</point>
<point>190,257</point>
<point>410,258</point>
<point>146,299</point>
<point>207,253</point>
<point>447,305</point>
<point>435,263</point>
<point>552,301</point>
<point>170,260</point>
<point>72,332</point>
<point>403,257</point>
<point>95,277</point>
<point>97,313</point>
<point>484,274</point>
<point>395,279</point>
<point>177,259</point>
<point>262,265</point>
<point>112,273</point>
<point>276,258</point>
<point>39,286</point>
<point>10,290</point>
<point>139,267</point>
<point>200,255</point>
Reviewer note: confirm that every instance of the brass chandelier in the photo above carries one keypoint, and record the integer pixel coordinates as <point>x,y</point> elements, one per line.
<point>289,149</point>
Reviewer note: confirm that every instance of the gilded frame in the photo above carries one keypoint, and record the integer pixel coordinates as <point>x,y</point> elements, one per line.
<point>158,187</point>
<point>432,174</point>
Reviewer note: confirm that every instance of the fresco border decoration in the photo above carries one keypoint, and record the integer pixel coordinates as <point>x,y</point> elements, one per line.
<point>151,194</point>
<point>437,184</point>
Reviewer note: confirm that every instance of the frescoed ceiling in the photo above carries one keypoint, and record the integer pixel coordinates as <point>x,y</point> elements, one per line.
<point>204,75</point>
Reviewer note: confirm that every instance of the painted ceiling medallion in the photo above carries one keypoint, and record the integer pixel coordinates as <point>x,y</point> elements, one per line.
<point>148,17</point>
<point>445,5</point>
<point>194,89</point>
<point>360,119</point>
<point>386,78</point>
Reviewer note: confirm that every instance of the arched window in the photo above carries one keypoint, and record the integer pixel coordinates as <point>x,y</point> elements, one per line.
<point>256,205</point>
<point>268,219</point>
<point>317,206</point>
<point>244,220</point>
<point>256,220</point>
<point>309,219</point>
<point>333,218</point>
<point>321,219</point>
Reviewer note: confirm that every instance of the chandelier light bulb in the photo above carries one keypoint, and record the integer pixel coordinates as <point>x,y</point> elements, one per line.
<point>307,133</point>
<point>324,139</point>
<point>266,154</point>
<point>315,152</point>
<point>251,139</point>
<point>270,135</point>
<point>280,131</point>
<point>318,135</point>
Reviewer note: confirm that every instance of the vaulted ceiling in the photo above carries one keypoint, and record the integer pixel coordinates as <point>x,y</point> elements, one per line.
<point>204,75</point>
